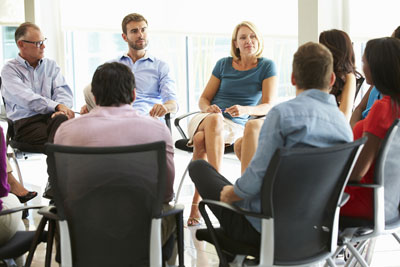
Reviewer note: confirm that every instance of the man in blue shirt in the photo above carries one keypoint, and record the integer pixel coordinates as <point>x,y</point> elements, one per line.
<point>155,88</point>
<point>310,119</point>
<point>36,95</point>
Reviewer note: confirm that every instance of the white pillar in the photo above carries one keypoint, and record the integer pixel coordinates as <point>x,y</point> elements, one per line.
<point>316,16</point>
<point>29,7</point>
<point>46,14</point>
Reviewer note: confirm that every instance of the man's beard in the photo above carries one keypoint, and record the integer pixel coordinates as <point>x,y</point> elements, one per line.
<point>134,46</point>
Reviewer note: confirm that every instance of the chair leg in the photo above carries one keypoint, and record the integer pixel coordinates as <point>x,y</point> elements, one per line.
<point>25,213</point>
<point>396,236</point>
<point>178,192</point>
<point>223,262</point>
<point>50,238</point>
<point>17,167</point>
<point>36,241</point>
<point>357,255</point>
<point>179,231</point>
<point>330,262</point>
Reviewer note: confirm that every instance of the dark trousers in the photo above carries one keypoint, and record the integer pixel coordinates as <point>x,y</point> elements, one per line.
<point>209,184</point>
<point>38,129</point>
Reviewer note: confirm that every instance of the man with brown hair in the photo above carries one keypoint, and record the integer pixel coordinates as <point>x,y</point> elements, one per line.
<point>312,118</point>
<point>155,88</point>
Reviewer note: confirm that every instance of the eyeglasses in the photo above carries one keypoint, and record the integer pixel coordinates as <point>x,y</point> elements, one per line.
<point>38,44</point>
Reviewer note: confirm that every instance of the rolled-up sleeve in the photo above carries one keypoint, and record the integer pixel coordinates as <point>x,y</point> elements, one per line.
<point>62,93</point>
<point>167,83</point>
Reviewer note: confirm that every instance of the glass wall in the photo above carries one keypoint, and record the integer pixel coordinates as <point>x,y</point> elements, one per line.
<point>190,57</point>
<point>8,48</point>
<point>189,35</point>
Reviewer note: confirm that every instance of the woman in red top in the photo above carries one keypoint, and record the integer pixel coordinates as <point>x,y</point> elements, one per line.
<point>381,66</point>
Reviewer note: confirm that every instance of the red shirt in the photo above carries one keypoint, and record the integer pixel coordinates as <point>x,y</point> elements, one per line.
<point>378,121</point>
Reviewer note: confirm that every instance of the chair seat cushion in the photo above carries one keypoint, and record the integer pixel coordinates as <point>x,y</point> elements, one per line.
<point>228,244</point>
<point>181,144</point>
<point>17,245</point>
<point>347,222</point>
<point>24,147</point>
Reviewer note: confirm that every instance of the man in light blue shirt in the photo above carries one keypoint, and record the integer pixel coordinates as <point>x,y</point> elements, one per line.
<point>36,95</point>
<point>310,119</point>
<point>155,88</point>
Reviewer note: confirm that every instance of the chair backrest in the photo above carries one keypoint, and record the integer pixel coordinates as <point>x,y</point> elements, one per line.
<point>301,191</point>
<point>108,196</point>
<point>387,173</point>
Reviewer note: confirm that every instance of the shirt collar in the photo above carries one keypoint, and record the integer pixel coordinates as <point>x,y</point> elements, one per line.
<point>113,110</point>
<point>24,62</point>
<point>319,95</point>
<point>147,56</point>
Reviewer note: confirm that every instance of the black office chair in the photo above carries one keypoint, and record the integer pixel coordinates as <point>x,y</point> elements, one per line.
<point>300,201</point>
<point>356,233</point>
<point>181,144</point>
<point>24,241</point>
<point>109,204</point>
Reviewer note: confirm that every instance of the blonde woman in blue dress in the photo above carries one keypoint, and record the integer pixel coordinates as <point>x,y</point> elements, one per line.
<point>241,85</point>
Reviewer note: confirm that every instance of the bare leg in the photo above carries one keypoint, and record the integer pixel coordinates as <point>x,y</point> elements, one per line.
<point>15,187</point>
<point>249,142</point>
<point>208,145</point>
<point>237,147</point>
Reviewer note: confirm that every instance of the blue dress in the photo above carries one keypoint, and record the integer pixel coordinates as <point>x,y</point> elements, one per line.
<point>240,87</point>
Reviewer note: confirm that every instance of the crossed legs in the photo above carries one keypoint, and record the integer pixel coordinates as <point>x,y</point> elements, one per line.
<point>208,142</point>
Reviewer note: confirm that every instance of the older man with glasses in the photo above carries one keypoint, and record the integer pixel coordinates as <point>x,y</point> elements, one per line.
<point>36,95</point>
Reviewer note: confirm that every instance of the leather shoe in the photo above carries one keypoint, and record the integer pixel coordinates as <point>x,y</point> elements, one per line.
<point>27,197</point>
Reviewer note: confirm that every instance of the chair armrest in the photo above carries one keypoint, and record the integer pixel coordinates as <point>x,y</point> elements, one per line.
<point>49,212</point>
<point>176,210</point>
<point>178,119</point>
<point>345,198</point>
<point>364,185</point>
<point>233,208</point>
<point>9,211</point>
<point>254,117</point>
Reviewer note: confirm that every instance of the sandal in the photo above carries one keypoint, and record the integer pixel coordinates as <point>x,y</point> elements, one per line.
<point>193,220</point>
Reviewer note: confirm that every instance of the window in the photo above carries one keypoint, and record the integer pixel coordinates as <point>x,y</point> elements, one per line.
<point>9,49</point>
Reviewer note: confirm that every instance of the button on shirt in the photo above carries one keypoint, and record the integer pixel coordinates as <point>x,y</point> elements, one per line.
<point>154,83</point>
<point>311,119</point>
<point>29,91</point>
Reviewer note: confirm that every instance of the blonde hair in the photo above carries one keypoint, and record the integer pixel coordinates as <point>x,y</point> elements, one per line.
<point>235,52</point>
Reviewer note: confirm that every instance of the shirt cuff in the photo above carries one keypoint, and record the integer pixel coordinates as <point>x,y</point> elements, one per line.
<point>51,106</point>
<point>239,192</point>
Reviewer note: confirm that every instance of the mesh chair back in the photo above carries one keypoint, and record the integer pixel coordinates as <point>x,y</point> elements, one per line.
<point>301,191</point>
<point>108,196</point>
<point>387,173</point>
